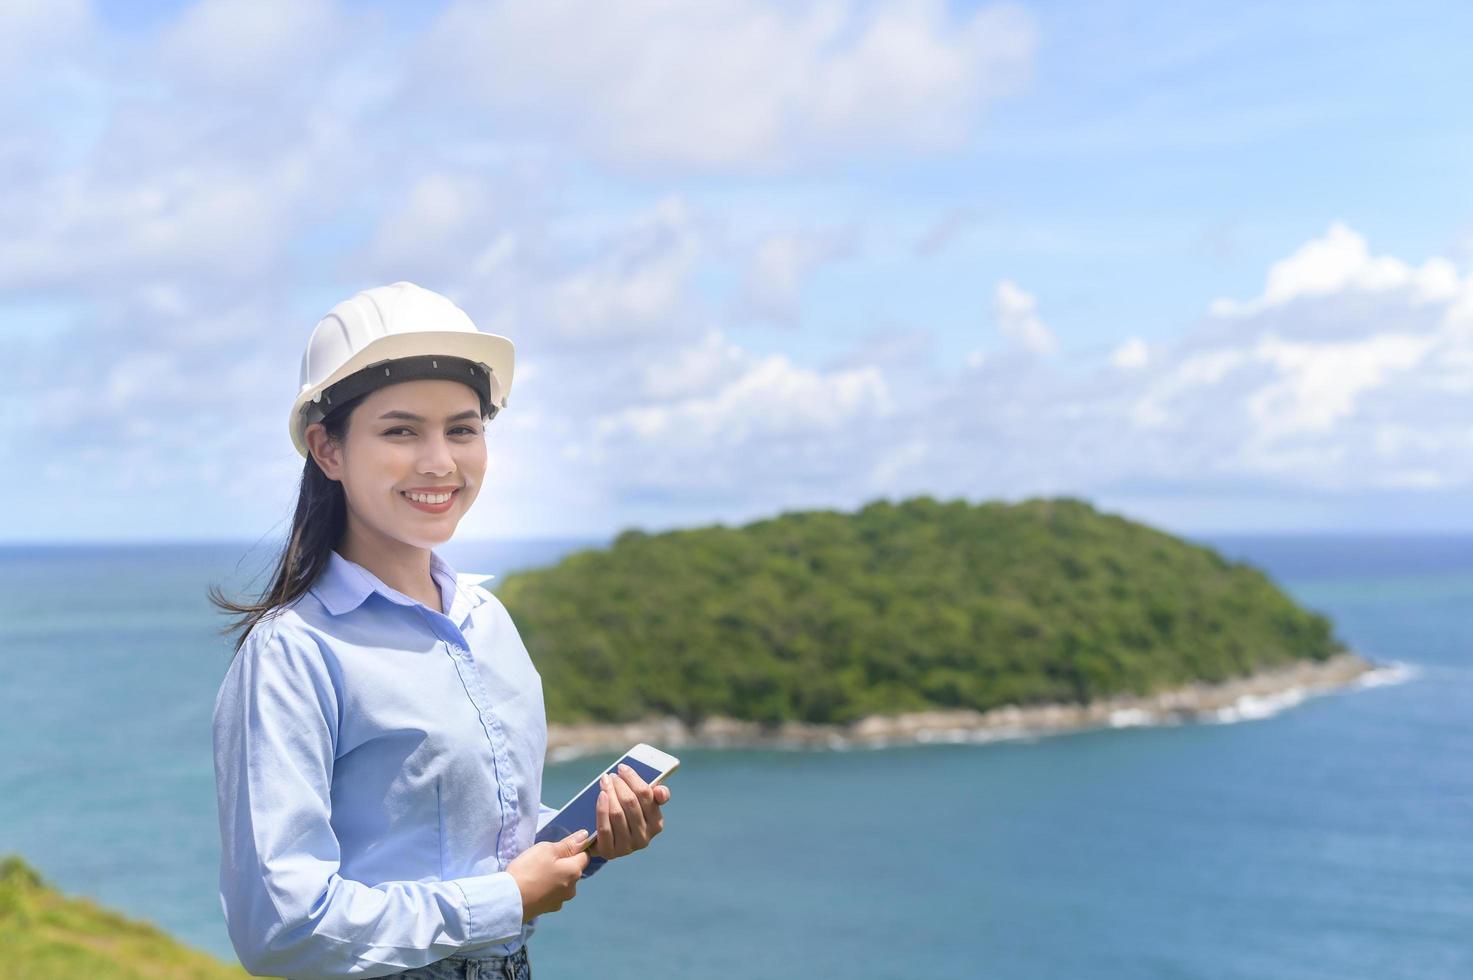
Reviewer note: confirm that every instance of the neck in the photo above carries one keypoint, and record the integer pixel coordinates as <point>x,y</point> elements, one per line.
<point>398,565</point>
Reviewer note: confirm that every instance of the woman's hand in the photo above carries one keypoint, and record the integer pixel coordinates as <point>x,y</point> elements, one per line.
<point>628,813</point>
<point>547,873</point>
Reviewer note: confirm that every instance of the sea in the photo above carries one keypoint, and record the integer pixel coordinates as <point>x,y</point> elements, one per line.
<point>1324,837</point>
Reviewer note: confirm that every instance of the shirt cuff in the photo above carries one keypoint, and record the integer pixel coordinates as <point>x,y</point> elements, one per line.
<point>493,907</point>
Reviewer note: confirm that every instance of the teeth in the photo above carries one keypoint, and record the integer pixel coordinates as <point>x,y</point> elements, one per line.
<point>428,498</point>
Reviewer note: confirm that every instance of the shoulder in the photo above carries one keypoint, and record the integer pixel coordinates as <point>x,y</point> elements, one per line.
<point>490,605</point>
<point>283,642</point>
<point>280,632</point>
<point>280,665</point>
<point>485,595</point>
<point>482,597</point>
<point>304,624</point>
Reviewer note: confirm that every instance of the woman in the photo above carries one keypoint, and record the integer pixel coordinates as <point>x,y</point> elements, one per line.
<point>380,733</point>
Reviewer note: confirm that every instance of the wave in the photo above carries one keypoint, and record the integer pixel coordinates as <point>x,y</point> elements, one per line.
<point>1395,672</point>
<point>1255,707</point>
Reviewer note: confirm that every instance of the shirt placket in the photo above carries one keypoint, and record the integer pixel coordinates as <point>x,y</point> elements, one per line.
<point>470,677</point>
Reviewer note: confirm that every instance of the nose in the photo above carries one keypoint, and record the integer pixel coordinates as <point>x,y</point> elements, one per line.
<point>436,458</point>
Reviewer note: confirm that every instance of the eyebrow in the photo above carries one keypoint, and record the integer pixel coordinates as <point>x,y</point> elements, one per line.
<point>469,413</point>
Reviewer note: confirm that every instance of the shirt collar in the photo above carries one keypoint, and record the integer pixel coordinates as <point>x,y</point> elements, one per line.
<point>344,585</point>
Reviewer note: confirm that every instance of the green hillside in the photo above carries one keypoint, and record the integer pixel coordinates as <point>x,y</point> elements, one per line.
<point>45,935</point>
<point>827,617</point>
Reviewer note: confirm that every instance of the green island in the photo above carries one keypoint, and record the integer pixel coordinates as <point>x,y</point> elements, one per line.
<point>827,617</point>
<point>45,935</point>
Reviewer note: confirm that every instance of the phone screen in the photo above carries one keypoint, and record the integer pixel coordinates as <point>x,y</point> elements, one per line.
<point>582,813</point>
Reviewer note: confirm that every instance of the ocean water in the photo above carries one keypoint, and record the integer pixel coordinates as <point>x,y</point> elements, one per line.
<point>1332,839</point>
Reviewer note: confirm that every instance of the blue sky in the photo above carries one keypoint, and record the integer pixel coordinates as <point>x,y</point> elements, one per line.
<point>1207,265</point>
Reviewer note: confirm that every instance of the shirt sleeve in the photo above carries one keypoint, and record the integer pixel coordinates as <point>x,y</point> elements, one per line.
<point>287,908</point>
<point>546,813</point>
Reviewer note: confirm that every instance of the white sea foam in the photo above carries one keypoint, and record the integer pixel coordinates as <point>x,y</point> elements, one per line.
<point>1395,672</point>
<point>1251,707</point>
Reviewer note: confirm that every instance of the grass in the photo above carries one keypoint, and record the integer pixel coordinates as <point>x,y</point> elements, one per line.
<point>45,935</point>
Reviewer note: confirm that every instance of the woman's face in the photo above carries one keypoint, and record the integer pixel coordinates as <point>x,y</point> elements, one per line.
<point>411,436</point>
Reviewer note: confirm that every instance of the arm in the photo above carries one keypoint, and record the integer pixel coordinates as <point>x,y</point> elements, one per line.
<point>288,910</point>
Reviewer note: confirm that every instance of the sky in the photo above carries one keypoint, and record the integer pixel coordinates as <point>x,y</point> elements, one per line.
<point>1209,266</point>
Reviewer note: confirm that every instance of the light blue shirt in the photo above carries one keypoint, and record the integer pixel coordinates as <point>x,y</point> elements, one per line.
<point>377,766</point>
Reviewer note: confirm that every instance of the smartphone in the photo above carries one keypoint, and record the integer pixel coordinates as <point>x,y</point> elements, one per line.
<point>581,812</point>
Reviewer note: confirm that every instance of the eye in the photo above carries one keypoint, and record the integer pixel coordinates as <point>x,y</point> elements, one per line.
<point>458,428</point>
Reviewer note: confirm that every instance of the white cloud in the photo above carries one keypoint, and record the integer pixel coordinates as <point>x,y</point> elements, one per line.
<point>519,272</point>
<point>252,43</point>
<point>1133,353</point>
<point>1017,317</point>
<point>1318,384</point>
<point>645,433</point>
<point>30,30</point>
<point>1187,375</point>
<point>635,286</point>
<point>781,263</point>
<point>706,366</point>
<point>762,397</point>
<point>441,216</point>
<point>93,227</point>
<point>1340,262</point>
<point>735,83</point>
<point>1361,389</point>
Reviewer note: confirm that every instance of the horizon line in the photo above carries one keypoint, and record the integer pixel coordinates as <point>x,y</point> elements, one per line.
<point>609,537</point>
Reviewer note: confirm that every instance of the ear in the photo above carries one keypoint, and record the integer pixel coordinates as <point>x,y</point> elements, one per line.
<point>327,453</point>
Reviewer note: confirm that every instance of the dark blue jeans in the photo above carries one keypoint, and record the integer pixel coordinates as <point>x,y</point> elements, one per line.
<point>513,967</point>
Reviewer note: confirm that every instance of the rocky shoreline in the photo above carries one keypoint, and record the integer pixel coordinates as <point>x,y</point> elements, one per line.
<point>1257,695</point>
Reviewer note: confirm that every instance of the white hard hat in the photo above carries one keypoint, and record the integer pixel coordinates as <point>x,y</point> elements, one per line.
<point>405,332</point>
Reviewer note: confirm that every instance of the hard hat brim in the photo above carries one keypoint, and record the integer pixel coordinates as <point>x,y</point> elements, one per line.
<point>492,350</point>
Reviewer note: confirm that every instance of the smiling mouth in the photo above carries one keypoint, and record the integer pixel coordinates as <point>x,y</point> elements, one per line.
<point>442,498</point>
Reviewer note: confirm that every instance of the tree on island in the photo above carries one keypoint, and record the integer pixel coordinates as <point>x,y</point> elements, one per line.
<point>821,616</point>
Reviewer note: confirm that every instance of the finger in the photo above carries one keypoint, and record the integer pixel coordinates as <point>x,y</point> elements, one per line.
<point>569,845</point>
<point>643,791</point>
<point>645,794</point>
<point>618,819</point>
<point>662,794</point>
<point>633,813</point>
<point>604,842</point>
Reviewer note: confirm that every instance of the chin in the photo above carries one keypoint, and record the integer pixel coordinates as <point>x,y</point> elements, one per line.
<point>422,540</point>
